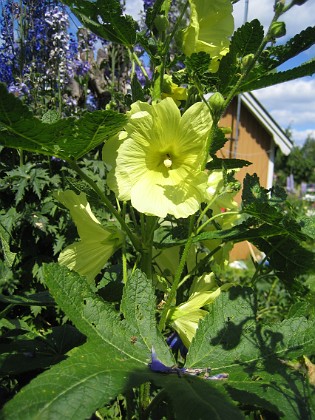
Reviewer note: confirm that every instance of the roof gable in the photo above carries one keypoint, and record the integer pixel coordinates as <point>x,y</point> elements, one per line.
<point>266,120</point>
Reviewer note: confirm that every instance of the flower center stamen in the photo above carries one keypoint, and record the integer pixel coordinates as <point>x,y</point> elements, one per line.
<point>167,161</point>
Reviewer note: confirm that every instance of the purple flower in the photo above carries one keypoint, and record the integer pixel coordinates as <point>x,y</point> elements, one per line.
<point>147,4</point>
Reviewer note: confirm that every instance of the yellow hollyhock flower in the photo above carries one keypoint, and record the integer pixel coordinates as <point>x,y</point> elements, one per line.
<point>211,25</point>
<point>97,243</point>
<point>156,162</point>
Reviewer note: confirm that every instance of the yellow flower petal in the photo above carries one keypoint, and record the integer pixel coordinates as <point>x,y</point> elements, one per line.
<point>97,243</point>
<point>158,159</point>
<point>211,25</point>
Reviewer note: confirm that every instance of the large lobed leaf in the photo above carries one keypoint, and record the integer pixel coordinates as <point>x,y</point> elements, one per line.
<point>93,373</point>
<point>66,138</point>
<point>110,362</point>
<point>231,340</point>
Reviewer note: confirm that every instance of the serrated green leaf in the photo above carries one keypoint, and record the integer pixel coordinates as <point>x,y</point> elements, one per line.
<point>198,63</point>
<point>9,256</point>
<point>105,19</point>
<point>94,317</point>
<point>230,339</point>
<point>76,387</point>
<point>276,55</point>
<point>139,308</point>
<point>66,138</point>
<point>218,140</point>
<point>217,163</point>
<point>262,81</point>
<point>245,40</point>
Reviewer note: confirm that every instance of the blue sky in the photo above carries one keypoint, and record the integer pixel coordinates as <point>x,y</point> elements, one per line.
<point>291,104</point>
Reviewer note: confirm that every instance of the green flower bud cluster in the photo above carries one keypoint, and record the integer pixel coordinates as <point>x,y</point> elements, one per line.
<point>216,103</point>
<point>277,29</point>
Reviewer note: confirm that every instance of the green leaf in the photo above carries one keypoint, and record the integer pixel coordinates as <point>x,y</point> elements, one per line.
<point>246,40</point>
<point>194,398</point>
<point>109,363</point>
<point>65,138</point>
<point>276,55</point>
<point>231,340</point>
<point>24,353</point>
<point>218,140</point>
<point>217,163</point>
<point>9,256</point>
<point>91,376</point>
<point>37,299</point>
<point>305,69</point>
<point>290,399</point>
<point>136,89</point>
<point>286,246</point>
<point>93,316</point>
<point>105,19</point>
<point>139,308</point>
<point>198,63</point>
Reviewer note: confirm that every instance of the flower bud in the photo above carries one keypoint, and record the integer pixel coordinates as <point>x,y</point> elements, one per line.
<point>216,103</point>
<point>247,60</point>
<point>277,29</point>
<point>279,6</point>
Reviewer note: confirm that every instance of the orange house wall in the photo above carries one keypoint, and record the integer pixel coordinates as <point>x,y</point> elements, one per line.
<point>254,144</point>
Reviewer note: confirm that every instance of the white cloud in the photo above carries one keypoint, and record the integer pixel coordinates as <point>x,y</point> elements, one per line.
<point>292,104</point>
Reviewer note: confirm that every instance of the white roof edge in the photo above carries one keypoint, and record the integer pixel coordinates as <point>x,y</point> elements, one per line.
<point>277,133</point>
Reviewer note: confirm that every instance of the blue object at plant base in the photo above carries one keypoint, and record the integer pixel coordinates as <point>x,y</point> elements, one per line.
<point>157,366</point>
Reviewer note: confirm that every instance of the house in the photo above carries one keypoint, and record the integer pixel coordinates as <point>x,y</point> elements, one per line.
<point>254,137</point>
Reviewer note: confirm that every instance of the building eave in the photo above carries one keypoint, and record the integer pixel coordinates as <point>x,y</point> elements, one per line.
<point>266,120</point>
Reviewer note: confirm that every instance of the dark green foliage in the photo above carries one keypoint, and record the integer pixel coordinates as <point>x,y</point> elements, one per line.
<point>280,77</point>
<point>218,163</point>
<point>73,350</point>
<point>105,18</point>
<point>246,40</point>
<point>274,56</point>
<point>65,138</point>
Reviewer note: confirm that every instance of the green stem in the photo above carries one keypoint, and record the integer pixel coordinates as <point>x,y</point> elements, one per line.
<point>172,295</point>
<point>227,213</point>
<point>139,63</point>
<point>136,243</point>
<point>251,65</point>
<point>148,226</point>
<point>144,398</point>
<point>175,29</point>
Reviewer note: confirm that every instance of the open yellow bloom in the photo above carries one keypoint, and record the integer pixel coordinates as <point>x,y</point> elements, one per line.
<point>157,162</point>
<point>211,25</point>
<point>97,243</point>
